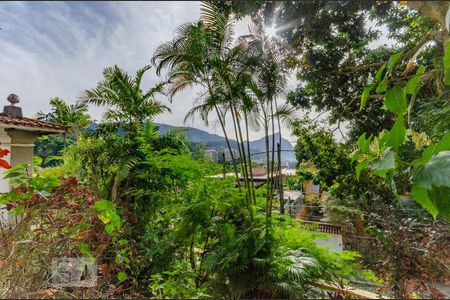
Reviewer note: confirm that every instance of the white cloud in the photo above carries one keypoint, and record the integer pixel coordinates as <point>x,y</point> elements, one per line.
<point>50,49</point>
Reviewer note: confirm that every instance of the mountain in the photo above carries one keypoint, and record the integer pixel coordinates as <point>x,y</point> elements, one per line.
<point>217,142</point>
<point>193,135</point>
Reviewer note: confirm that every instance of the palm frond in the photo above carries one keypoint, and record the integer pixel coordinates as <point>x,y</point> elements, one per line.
<point>126,166</point>
<point>140,73</point>
<point>287,113</point>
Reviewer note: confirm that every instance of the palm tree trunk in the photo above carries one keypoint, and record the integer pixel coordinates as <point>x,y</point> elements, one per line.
<point>273,156</point>
<point>250,161</point>
<point>266,139</point>
<point>241,140</point>
<point>268,211</point>
<point>222,124</point>
<point>279,161</point>
<point>241,155</point>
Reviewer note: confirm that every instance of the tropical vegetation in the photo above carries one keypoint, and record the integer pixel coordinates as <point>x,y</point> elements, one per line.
<point>160,222</point>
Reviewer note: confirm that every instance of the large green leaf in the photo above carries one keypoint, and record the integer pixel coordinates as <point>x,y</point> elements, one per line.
<point>398,133</point>
<point>361,166</point>
<point>436,172</point>
<point>395,100</point>
<point>413,85</point>
<point>434,176</point>
<point>420,195</point>
<point>384,163</point>
<point>380,72</point>
<point>440,197</point>
<point>382,86</point>
<point>393,60</point>
<point>443,145</point>
<point>364,143</point>
<point>365,96</point>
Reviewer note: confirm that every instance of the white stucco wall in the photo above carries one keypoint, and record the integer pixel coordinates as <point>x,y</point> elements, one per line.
<point>5,143</point>
<point>334,242</point>
<point>20,144</point>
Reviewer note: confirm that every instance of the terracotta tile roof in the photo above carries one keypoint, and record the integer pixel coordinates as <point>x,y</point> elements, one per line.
<point>32,123</point>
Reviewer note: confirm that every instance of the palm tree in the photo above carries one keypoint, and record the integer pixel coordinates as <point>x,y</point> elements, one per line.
<point>126,103</point>
<point>192,58</point>
<point>74,116</point>
<point>268,83</point>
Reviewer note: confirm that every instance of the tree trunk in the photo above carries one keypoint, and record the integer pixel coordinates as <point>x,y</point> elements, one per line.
<point>222,124</point>
<point>115,189</point>
<point>250,162</point>
<point>268,210</point>
<point>273,156</point>
<point>241,140</point>
<point>280,184</point>
<point>436,10</point>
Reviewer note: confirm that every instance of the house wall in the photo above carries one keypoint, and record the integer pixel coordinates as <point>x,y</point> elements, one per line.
<point>310,188</point>
<point>5,143</point>
<point>20,145</point>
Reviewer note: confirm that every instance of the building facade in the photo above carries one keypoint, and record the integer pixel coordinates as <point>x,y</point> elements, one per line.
<point>212,155</point>
<point>17,135</point>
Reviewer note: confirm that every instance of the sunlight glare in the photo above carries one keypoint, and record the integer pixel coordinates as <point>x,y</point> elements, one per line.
<point>271,31</point>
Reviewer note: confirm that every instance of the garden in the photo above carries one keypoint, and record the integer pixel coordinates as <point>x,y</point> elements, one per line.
<point>158,219</point>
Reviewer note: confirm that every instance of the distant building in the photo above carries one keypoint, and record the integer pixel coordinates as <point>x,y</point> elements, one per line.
<point>259,171</point>
<point>292,164</point>
<point>228,155</point>
<point>212,154</point>
<point>288,171</point>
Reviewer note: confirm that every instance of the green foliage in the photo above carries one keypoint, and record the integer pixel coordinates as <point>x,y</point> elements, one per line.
<point>332,49</point>
<point>55,218</point>
<point>447,63</point>
<point>126,103</point>
<point>432,184</point>
<point>107,214</point>
<point>431,117</point>
<point>397,134</point>
<point>395,100</point>
<point>50,148</point>
<point>177,283</point>
<point>317,145</point>
<point>431,175</point>
<point>27,183</point>
<point>74,116</point>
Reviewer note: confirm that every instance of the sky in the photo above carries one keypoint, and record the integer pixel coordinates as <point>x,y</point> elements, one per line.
<point>59,49</point>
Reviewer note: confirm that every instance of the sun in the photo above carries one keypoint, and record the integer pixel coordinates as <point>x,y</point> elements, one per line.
<point>271,31</point>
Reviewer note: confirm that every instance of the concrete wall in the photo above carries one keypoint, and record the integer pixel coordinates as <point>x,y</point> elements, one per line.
<point>21,155</point>
<point>334,242</point>
<point>21,146</point>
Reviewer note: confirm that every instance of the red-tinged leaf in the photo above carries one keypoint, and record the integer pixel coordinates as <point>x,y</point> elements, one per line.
<point>3,152</point>
<point>90,199</point>
<point>4,164</point>
<point>119,289</point>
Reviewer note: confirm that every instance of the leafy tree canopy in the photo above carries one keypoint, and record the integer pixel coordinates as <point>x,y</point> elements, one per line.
<point>332,48</point>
